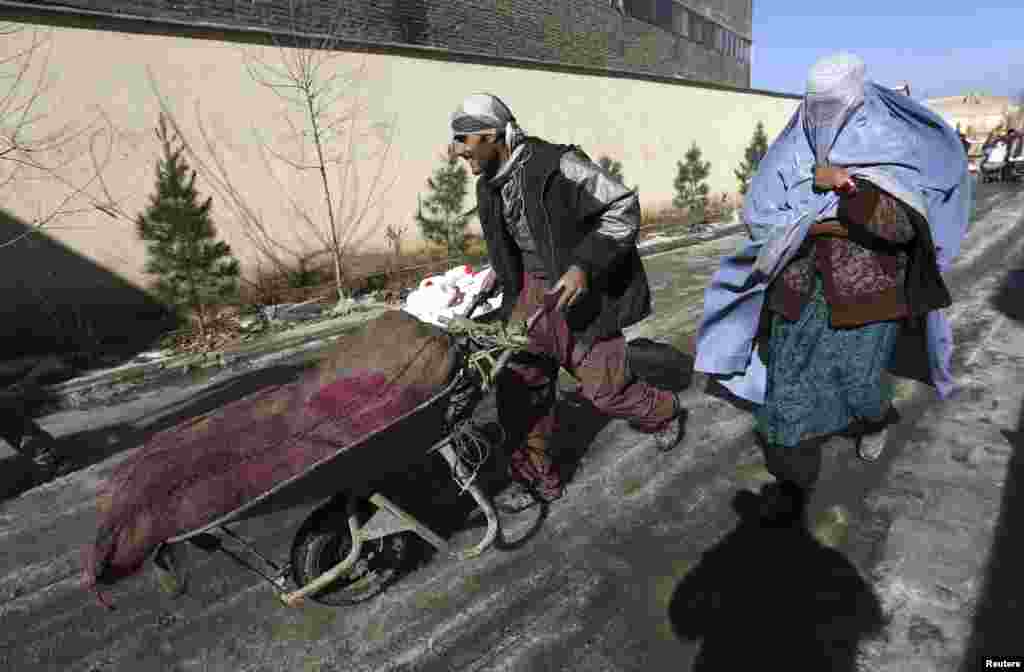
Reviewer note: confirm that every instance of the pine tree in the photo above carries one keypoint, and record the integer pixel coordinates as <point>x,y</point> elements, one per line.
<point>752,156</point>
<point>446,222</point>
<point>193,269</point>
<point>691,189</point>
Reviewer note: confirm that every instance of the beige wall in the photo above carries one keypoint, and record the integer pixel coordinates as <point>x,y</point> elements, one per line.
<point>646,125</point>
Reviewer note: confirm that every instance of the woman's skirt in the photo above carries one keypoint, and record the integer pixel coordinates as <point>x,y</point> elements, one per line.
<point>822,379</point>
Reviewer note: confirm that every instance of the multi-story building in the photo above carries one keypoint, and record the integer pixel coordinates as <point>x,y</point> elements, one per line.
<point>704,40</point>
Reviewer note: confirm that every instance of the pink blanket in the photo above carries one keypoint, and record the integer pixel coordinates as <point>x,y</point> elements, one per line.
<point>194,473</point>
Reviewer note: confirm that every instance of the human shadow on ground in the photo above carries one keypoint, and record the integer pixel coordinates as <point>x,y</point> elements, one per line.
<point>1009,300</point>
<point>1000,607</point>
<point>774,597</point>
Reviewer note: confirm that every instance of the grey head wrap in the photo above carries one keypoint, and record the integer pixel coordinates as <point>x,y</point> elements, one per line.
<point>485,112</point>
<point>835,89</point>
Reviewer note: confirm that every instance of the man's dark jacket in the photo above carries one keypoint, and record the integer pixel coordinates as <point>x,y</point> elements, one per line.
<point>618,293</point>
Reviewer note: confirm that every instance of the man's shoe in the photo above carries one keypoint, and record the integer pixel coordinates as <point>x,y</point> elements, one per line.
<point>515,498</point>
<point>669,436</point>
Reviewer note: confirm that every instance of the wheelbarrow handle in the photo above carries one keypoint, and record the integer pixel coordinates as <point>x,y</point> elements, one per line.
<point>474,304</point>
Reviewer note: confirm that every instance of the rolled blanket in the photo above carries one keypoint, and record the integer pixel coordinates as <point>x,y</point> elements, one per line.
<point>194,473</point>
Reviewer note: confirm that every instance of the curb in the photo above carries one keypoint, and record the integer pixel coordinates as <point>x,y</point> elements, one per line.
<point>71,393</point>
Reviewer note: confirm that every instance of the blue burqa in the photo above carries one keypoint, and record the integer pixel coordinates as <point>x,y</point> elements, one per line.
<point>891,141</point>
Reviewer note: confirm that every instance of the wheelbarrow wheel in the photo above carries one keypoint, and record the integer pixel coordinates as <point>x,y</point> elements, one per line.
<point>324,540</point>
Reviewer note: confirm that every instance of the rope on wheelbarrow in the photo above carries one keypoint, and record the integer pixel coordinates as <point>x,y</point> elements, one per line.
<point>492,339</point>
<point>473,448</point>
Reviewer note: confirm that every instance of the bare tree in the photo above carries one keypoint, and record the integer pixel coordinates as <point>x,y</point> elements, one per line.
<point>329,139</point>
<point>29,154</point>
<point>330,134</point>
<point>395,232</point>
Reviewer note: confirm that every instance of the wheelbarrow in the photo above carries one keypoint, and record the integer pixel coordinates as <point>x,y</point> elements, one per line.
<point>354,541</point>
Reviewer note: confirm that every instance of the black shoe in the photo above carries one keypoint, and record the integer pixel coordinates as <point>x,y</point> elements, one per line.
<point>871,435</point>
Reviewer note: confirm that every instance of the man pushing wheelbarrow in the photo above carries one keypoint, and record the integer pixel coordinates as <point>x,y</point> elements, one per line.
<point>559,229</point>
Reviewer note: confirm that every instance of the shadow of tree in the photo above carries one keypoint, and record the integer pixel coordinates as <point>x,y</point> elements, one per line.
<point>774,598</point>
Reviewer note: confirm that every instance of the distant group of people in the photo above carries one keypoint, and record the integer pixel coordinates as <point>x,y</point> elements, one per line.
<point>999,151</point>
<point>852,226</point>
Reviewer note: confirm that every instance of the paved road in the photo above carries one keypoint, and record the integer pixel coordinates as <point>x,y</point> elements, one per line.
<point>645,565</point>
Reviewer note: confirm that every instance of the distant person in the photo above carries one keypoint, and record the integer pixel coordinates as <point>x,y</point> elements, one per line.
<point>855,211</point>
<point>990,140</point>
<point>993,166</point>
<point>561,237</point>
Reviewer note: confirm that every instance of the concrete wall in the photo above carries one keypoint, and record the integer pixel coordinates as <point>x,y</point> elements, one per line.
<point>596,33</point>
<point>646,124</point>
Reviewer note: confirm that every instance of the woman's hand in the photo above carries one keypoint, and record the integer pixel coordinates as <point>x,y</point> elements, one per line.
<point>830,227</point>
<point>830,178</point>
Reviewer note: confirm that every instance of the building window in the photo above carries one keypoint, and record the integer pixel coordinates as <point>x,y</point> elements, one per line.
<point>710,32</point>
<point>684,22</point>
<point>641,9</point>
<point>696,26</point>
<point>663,11</point>
<point>680,20</point>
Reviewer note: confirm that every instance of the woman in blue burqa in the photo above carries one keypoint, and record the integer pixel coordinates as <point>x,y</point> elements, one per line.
<point>854,213</point>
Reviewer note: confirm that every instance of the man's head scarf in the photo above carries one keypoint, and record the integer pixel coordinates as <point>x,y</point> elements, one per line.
<point>835,89</point>
<point>482,112</point>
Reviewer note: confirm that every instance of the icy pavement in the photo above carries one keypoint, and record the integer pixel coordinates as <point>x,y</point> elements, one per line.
<point>645,565</point>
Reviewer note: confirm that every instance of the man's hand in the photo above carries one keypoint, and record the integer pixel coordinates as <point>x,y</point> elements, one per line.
<point>489,283</point>
<point>829,178</point>
<point>572,285</point>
